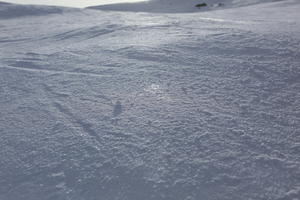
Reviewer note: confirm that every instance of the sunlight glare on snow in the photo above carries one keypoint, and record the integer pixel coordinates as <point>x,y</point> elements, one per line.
<point>153,88</point>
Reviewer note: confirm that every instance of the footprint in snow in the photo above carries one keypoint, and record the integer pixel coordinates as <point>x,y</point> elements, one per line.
<point>117,109</point>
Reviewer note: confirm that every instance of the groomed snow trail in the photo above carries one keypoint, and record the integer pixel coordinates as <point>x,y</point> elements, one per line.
<point>129,106</point>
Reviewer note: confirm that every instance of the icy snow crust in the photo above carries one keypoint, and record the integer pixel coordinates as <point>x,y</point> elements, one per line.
<point>131,106</point>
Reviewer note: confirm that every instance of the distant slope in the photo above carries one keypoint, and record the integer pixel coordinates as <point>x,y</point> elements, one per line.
<point>174,6</point>
<point>8,10</point>
<point>160,6</point>
<point>3,3</point>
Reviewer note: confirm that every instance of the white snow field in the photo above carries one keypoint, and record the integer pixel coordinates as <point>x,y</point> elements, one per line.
<point>106,105</point>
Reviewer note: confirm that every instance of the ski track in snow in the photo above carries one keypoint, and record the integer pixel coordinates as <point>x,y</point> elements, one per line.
<point>112,105</point>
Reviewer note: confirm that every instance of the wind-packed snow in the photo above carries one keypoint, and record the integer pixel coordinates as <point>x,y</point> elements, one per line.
<point>98,105</point>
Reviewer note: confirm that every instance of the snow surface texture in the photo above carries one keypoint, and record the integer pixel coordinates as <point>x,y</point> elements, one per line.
<point>101,105</point>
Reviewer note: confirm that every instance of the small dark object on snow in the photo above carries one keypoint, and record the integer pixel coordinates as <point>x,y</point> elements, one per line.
<point>201,5</point>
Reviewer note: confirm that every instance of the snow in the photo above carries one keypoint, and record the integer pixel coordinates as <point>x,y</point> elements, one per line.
<point>178,6</point>
<point>8,10</point>
<point>135,105</point>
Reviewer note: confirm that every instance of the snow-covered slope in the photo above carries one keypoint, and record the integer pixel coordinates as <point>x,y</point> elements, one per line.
<point>99,105</point>
<point>175,6</point>
<point>8,10</point>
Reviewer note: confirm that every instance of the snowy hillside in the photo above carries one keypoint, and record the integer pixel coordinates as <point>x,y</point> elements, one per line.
<point>8,10</point>
<point>98,105</point>
<point>181,6</point>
